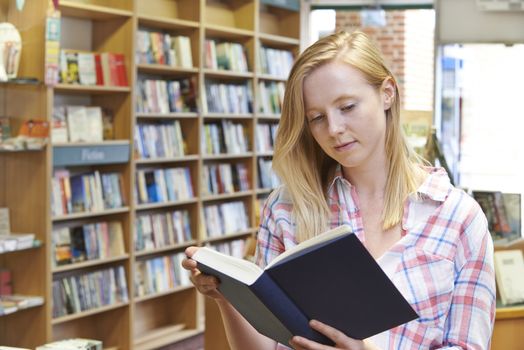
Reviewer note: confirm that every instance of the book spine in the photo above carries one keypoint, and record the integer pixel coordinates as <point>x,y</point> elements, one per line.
<point>285,310</point>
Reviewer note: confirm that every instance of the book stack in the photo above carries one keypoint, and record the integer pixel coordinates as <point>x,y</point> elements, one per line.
<point>85,192</point>
<point>89,68</point>
<point>154,231</point>
<point>89,290</point>
<point>81,124</point>
<point>101,240</point>
<point>164,185</point>
<point>16,241</point>
<point>73,344</point>
<point>270,97</point>
<point>162,48</point>
<point>225,137</point>
<point>161,140</point>
<point>165,96</point>
<point>160,274</point>
<point>275,62</point>
<point>225,218</point>
<point>15,302</point>
<point>225,178</point>
<point>266,176</point>
<point>265,136</point>
<point>229,98</point>
<point>226,56</point>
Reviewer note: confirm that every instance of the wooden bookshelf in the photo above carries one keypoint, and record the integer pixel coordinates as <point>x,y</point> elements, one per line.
<point>176,314</point>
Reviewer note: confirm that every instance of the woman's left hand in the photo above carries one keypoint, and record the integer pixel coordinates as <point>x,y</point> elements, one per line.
<point>341,340</point>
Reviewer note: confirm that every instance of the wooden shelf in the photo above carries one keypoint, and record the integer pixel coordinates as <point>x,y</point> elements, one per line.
<point>178,246</point>
<point>164,336</point>
<point>227,156</point>
<point>88,263</point>
<point>165,69</point>
<point>165,204</point>
<point>20,309</point>
<point>227,74</point>
<point>111,26</point>
<point>510,312</point>
<point>93,12</point>
<point>87,313</point>
<point>278,40</point>
<point>216,197</point>
<point>165,23</point>
<point>265,154</point>
<point>90,214</point>
<point>177,115</point>
<point>161,294</point>
<point>227,116</point>
<point>264,190</point>
<point>90,89</point>
<point>227,32</point>
<point>269,117</point>
<point>191,157</point>
<point>36,244</point>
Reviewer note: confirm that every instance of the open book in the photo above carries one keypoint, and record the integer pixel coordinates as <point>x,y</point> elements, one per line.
<point>331,278</point>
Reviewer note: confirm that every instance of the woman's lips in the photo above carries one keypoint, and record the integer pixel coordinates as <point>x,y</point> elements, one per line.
<point>344,146</point>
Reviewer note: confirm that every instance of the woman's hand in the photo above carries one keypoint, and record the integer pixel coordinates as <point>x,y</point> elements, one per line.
<point>205,284</point>
<point>340,339</point>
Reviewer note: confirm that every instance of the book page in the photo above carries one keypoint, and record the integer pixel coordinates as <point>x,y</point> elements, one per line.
<point>239,269</point>
<point>317,240</point>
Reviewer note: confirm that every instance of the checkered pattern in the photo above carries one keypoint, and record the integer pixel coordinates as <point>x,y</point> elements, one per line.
<point>443,264</point>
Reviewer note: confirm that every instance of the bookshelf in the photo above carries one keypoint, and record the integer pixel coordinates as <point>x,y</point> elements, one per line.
<point>159,122</point>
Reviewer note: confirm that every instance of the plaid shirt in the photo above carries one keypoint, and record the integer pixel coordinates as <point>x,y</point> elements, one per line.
<point>443,264</point>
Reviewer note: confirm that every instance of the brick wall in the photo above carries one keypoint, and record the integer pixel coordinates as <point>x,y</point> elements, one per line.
<point>389,39</point>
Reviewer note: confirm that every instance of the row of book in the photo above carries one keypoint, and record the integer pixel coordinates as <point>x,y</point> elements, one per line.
<point>163,185</point>
<point>266,176</point>
<point>236,247</point>
<point>225,218</point>
<point>163,48</point>
<point>86,291</point>
<point>154,231</point>
<point>165,96</point>
<point>10,303</point>
<point>90,68</point>
<point>16,241</point>
<point>160,274</point>
<point>228,98</point>
<point>270,97</point>
<point>275,62</point>
<point>76,344</point>
<point>224,137</point>
<point>87,192</point>
<point>499,208</point>
<point>81,124</point>
<point>225,178</point>
<point>100,240</point>
<point>225,55</point>
<point>160,140</point>
<point>265,135</point>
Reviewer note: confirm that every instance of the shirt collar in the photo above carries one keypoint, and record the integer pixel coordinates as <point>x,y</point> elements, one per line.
<point>436,185</point>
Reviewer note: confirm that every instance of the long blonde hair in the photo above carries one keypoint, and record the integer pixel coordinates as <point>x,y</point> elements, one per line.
<point>302,165</point>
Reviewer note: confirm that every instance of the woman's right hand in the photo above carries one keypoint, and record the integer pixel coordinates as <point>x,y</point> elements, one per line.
<point>205,284</point>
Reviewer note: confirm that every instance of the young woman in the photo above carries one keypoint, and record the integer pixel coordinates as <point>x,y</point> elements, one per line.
<point>343,159</point>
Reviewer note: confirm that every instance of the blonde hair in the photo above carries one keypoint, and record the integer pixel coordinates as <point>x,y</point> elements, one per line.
<point>302,165</point>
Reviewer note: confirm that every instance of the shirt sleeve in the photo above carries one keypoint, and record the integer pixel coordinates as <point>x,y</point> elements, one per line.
<point>472,313</point>
<point>270,242</point>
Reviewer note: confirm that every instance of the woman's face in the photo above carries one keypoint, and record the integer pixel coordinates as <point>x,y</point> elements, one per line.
<point>346,115</point>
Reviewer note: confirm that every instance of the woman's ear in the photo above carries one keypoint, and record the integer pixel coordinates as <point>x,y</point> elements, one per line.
<point>388,93</point>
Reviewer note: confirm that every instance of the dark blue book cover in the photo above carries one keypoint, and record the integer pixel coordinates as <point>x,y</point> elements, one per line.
<point>334,280</point>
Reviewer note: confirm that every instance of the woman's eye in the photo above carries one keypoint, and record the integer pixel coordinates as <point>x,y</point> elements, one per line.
<point>347,108</point>
<point>316,118</point>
